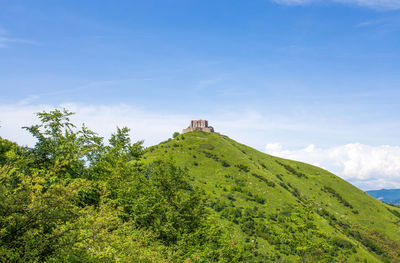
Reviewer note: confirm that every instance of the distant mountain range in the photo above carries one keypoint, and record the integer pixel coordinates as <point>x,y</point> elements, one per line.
<point>390,196</point>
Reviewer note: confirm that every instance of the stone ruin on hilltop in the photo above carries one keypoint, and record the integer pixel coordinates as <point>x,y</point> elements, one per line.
<point>198,125</point>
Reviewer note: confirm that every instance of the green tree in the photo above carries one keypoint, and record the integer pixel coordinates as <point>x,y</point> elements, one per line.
<point>9,151</point>
<point>119,161</point>
<point>71,198</point>
<point>46,223</point>
<point>30,212</point>
<point>60,145</point>
<point>161,199</point>
<point>176,134</point>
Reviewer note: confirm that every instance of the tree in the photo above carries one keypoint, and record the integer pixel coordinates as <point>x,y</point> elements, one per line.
<point>119,161</point>
<point>121,145</point>
<point>162,200</point>
<point>71,198</point>
<point>61,146</point>
<point>8,151</point>
<point>176,134</point>
<point>31,211</point>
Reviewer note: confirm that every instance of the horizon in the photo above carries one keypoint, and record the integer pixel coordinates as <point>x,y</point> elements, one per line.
<point>313,81</point>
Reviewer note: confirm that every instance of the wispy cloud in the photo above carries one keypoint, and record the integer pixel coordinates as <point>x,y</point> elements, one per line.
<point>6,41</point>
<point>368,167</point>
<point>153,127</point>
<point>245,125</point>
<point>375,4</point>
<point>294,2</point>
<point>206,83</point>
<point>386,24</point>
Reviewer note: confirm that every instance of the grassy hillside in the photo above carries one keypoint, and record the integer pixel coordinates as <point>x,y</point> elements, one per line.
<point>284,210</point>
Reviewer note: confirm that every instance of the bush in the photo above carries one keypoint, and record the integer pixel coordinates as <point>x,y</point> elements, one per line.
<point>340,198</point>
<point>225,163</point>
<point>243,168</point>
<point>342,243</point>
<point>265,180</point>
<point>206,146</point>
<point>292,170</point>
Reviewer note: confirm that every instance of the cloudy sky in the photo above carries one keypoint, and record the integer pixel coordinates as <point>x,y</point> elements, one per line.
<point>310,80</point>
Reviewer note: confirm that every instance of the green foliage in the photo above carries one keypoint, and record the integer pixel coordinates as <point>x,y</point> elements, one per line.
<point>71,198</point>
<point>243,168</point>
<point>206,146</point>
<point>282,217</point>
<point>42,222</point>
<point>263,179</point>
<point>337,196</point>
<point>162,199</point>
<point>6,150</point>
<point>394,212</point>
<point>342,243</point>
<point>292,170</point>
<point>60,147</point>
<point>23,207</point>
<point>176,134</point>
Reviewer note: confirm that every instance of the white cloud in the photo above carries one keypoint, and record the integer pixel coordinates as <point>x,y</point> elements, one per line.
<point>379,4</point>
<point>150,126</point>
<point>293,2</point>
<point>5,41</point>
<point>368,167</point>
<point>375,4</point>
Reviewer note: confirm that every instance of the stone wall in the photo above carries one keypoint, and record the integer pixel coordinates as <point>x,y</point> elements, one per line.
<point>198,125</point>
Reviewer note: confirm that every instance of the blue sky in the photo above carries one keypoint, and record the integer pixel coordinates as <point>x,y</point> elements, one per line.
<point>277,75</point>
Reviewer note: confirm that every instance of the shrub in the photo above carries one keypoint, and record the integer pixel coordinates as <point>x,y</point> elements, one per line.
<point>243,168</point>
<point>292,170</point>
<point>206,146</point>
<point>225,163</point>
<point>265,180</point>
<point>330,190</point>
<point>342,243</point>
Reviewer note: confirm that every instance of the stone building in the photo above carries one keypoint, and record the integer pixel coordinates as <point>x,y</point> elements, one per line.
<point>198,125</point>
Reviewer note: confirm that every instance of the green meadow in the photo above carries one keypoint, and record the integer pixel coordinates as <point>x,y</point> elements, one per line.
<point>287,210</point>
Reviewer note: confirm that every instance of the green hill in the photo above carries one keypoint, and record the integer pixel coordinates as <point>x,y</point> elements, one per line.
<point>200,197</point>
<point>284,210</point>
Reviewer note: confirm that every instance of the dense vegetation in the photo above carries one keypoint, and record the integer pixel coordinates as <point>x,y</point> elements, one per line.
<point>73,199</point>
<point>195,198</point>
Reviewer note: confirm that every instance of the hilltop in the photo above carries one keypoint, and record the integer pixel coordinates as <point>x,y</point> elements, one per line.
<point>285,210</point>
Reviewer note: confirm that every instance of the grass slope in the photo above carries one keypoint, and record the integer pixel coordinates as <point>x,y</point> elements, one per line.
<point>285,210</point>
